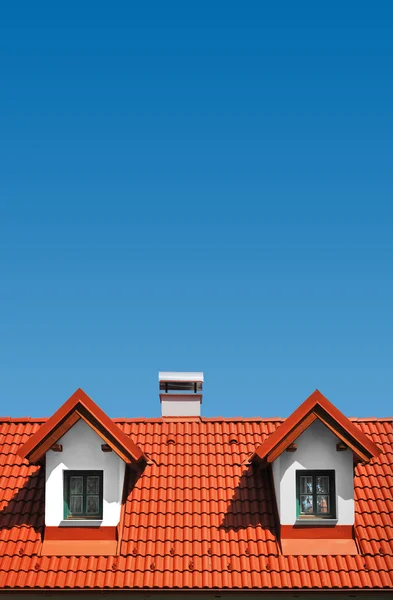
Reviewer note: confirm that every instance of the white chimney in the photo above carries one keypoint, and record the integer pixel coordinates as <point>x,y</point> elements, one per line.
<point>182,393</point>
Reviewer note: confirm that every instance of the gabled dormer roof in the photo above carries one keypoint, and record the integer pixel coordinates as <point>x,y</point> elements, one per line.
<point>315,407</point>
<point>80,406</point>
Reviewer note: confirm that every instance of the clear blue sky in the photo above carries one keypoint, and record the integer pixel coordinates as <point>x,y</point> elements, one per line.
<point>196,186</point>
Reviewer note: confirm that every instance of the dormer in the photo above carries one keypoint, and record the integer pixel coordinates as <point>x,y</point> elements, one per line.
<point>87,461</point>
<point>312,456</point>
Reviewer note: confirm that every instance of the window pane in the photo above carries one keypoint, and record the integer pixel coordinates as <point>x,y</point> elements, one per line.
<point>76,485</point>
<point>93,485</point>
<point>306,506</point>
<point>76,505</point>
<point>322,485</point>
<point>306,485</point>
<point>92,505</point>
<point>323,504</point>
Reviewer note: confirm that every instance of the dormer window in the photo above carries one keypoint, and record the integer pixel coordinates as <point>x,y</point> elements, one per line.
<point>315,507</point>
<point>85,456</point>
<point>83,494</point>
<point>315,495</point>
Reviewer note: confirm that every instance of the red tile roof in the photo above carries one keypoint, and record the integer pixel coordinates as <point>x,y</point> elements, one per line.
<point>200,516</point>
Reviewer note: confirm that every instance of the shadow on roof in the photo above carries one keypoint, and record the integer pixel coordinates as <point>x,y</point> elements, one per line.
<point>26,507</point>
<point>252,504</point>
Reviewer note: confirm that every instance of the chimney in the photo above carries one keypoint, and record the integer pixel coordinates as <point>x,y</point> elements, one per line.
<point>181,393</point>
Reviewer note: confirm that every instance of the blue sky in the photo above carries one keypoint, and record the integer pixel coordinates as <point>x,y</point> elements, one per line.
<point>202,186</point>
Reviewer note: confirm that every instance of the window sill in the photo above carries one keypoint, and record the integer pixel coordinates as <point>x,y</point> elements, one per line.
<point>315,522</point>
<point>81,523</point>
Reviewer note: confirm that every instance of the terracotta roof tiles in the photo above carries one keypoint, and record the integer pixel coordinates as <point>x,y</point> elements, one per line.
<point>199,517</point>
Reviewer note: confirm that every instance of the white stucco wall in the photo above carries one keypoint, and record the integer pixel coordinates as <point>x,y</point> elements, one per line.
<point>82,451</point>
<point>316,449</point>
<point>181,405</point>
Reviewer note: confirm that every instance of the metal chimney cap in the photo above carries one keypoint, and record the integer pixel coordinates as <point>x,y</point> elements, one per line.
<point>180,381</point>
<point>186,376</point>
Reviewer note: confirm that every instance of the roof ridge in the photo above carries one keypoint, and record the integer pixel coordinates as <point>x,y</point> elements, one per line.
<point>197,420</point>
<point>23,419</point>
<point>8,419</point>
<point>366,419</point>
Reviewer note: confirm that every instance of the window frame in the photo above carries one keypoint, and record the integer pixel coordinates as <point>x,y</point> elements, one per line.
<point>87,473</point>
<point>330,473</point>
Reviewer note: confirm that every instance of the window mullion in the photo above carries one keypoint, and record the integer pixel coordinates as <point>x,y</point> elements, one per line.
<point>84,493</point>
<point>314,494</point>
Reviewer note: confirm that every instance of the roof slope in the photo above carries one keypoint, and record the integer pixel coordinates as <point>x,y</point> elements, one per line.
<point>200,516</point>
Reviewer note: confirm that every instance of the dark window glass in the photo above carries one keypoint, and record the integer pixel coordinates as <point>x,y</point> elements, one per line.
<point>83,494</point>
<point>315,494</point>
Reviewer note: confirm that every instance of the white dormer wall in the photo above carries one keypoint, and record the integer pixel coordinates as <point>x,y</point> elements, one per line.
<point>82,451</point>
<point>316,450</point>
